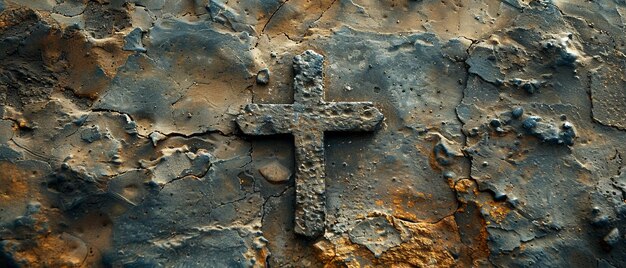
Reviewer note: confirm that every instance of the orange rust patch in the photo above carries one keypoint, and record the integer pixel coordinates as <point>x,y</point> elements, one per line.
<point>325,251</point>
<point>451,183</point>
<point>403,200</point>
<point>498,210</point>
<point>61,250</point>
<point>429,246</point>
<point>426,245</point>
<point>480,250</point>
<point>432,158</point>
<point>14,17</point>
<point>13,182</point>
<point>463,186</point>
<point>262,255</point>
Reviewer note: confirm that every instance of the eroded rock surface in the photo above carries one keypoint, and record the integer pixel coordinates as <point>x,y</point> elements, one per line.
<point>502,143</point>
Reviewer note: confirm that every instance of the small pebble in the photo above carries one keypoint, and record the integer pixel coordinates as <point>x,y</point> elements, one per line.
<point>517,112</point>
<point>567,125</point>
<point>612,237</point>
<point>263,77</point>
<point>499,196</point>
<point>449,175</point>
<point>531,122</point>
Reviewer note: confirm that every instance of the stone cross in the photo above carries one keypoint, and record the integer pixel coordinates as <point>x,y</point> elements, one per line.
<point>307,119</point>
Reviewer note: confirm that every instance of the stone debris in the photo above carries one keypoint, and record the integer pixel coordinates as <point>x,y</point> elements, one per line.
<point>550,133</point>
<point>263,77</point>
<point>132,41</point>
<point>275,172</point>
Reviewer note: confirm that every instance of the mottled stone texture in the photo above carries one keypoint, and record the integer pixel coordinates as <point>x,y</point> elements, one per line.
<point>182,133</point>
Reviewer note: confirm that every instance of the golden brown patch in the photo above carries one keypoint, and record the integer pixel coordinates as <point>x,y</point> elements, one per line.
<point>432,157</point>
<point>58,250</point>
<point>96,230</point>
<point>463,186</point>
<point>404,200</point>
<point>90,64</point>
<point>498,210</point>
<point>431,245</point>
<point>325,251</point>
<point>478,250</point>
<point>14,17</point>
<point>426,245</point>
<point>13,182</point>
<point>298,13</point>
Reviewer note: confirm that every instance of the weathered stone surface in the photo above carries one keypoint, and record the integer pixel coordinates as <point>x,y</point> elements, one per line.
<point>123,141</point>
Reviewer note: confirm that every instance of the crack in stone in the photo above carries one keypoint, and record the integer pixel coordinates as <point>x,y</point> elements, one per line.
<point>322,15</point>
<point>48,159</point>
<point>270,197</point>
<point>272,16</point>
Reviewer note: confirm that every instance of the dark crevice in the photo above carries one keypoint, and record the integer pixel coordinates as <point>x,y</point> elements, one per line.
<point>47,159</point>
<point>270,197</point>
<point>323,12</point>
<point>272,16</point>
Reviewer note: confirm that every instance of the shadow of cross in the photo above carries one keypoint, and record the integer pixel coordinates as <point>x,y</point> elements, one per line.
<point>307,119</point>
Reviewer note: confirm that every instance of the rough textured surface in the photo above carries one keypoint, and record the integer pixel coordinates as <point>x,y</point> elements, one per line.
<point>308,118</point>
<point>502,143</point>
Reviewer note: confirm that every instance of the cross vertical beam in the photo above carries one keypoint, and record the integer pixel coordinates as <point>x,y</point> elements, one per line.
<point>310,183</point>
<point>309,82</point>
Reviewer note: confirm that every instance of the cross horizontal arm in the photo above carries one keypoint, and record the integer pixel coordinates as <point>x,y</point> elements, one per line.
<point>351,116</point>
<point>266,119</point>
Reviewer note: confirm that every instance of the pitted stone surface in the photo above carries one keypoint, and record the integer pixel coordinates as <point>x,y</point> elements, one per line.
<point>307,119</point>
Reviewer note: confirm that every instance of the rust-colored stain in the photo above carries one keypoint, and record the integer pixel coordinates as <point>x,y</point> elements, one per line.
<point>426,245</point>
<point>53,250</point>
<point>13,182</point>
<point>405,200</point>
<point>497,210</point>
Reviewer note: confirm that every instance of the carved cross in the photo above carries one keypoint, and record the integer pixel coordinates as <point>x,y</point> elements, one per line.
<point>307,119</point>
